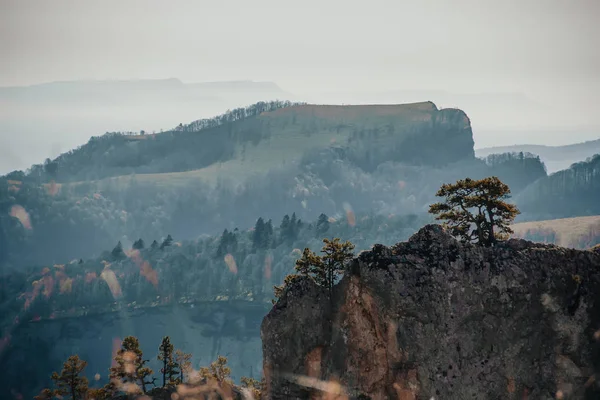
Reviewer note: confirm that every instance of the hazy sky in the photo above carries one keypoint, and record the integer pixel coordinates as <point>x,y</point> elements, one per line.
<point>538,47</point>
<point>546,50</point>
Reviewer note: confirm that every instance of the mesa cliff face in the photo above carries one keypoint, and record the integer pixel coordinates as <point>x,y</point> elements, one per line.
<point>436,318</point>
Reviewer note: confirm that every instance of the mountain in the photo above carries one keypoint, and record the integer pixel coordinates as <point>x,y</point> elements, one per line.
<point>266,159</point>
<point>436,318</point>
<point>261,137</point>
<point>555,158</point>
<point>572,192</point>
<point>39,121</point>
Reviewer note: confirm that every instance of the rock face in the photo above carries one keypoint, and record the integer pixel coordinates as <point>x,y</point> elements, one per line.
<point>436,318</point>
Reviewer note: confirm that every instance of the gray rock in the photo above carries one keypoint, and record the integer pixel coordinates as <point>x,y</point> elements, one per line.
<point>437,318</point>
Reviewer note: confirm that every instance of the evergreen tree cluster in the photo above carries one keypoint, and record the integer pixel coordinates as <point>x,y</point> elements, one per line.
<point>130,376</point>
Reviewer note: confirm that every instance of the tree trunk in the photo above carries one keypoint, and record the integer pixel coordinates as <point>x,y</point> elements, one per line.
<point>492,238</point>
<point>73,388</point>
<point>164,371</point>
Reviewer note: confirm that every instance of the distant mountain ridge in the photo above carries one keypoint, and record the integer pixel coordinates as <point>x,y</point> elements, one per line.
<point>43,120</point>
<point>556,158</point>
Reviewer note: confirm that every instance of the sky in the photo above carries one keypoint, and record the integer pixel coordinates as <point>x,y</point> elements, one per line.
<point>546,50</point>
<point>467,45</point>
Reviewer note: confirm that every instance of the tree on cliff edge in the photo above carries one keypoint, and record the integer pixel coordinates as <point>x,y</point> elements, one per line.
<point>476,210</point>
<point>326,268</point>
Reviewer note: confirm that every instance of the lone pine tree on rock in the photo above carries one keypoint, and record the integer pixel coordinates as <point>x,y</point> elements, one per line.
<point>476,210</point>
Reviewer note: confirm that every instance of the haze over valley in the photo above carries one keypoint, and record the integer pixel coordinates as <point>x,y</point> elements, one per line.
<point>271,200</point>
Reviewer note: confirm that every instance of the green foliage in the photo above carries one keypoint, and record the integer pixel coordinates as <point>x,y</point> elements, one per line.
<point>71,383</point>
<point>170,368</point>
<point>476,210</point>
<point>138,244</point>
<point>167,242</point>
<point>325,269</point>
<point>117,253</point>
<point>572,192</point>
<point>322,226</point>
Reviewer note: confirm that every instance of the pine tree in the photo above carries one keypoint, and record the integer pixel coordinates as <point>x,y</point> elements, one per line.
<point>326,268</point>
<point>322,225</point>
<point>117,253</point>
<point>267,240</point>
<point>476,210</point>
<point>154,245</point>
<point>131,366</point>
<point>170,369</point>
<point>284,229</point>
<point>258,235</point>
<point>183,361</point>
<point>138,244</point>
<point>167,242</point>
<point>295,225</point>
<point>70,382</point>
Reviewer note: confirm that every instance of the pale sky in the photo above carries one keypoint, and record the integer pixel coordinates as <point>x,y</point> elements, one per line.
<point>537,47</point>
<point>546,50</point>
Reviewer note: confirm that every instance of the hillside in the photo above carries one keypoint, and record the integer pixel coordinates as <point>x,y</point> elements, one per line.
<point>579,232</point>
<point>572,192</point>
<point>266,159</point>
<point>556,158</point>
<point>44,120</point>
<point>267,135</point>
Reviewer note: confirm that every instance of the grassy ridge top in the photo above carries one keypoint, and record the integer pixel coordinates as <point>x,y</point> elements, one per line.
<point>578,232</point>
<point>244,142</point>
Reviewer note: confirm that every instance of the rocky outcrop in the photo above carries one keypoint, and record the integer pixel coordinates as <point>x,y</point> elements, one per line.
<point>436,318</point>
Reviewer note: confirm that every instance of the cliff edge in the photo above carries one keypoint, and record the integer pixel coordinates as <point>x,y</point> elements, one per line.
<point>436,318</point>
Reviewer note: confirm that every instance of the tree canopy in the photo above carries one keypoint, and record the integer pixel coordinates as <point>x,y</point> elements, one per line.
<point>476,210</point>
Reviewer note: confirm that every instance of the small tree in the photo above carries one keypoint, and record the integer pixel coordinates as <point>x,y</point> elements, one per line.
<point>117,253</point>
<point>167,242</point>
<point>476,210</point>
<point>278,290</point>
<point>131,366</point>
<point>138,244</point>
<point>326,268</point>
<point>70,382</point>
<point>170,369</point>
<point>218,370</point>
<point>322,225</point>
<point>183,360</point>
<point>154,245</point>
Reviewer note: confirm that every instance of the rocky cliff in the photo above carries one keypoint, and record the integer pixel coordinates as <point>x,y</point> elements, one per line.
<point>434,318</point>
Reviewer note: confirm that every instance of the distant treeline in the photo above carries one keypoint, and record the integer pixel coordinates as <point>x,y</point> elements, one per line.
<point>238,264</point>
<point>54,223</point>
